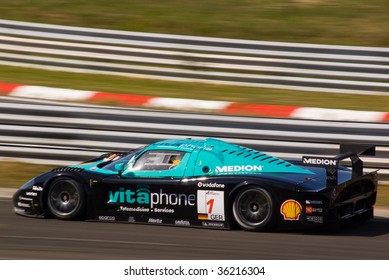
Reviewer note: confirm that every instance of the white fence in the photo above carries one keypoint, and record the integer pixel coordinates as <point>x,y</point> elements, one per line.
<point>323,68</point>
<point>64,134</point>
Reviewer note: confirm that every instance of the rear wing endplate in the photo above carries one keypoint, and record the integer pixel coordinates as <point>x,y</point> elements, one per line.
<point>347,150</point>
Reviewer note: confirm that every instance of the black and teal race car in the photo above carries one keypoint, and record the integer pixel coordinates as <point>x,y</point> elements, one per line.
<point>203,183</point>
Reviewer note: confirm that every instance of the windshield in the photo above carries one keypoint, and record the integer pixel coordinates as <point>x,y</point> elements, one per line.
<point>126,159</point>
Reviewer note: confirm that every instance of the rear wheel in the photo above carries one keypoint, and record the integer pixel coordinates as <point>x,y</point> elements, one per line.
<point>66,199</point>
<point>253,209</point>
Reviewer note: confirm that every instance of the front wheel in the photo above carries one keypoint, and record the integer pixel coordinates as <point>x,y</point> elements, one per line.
<point>253,209</point>
<point>66,199</point>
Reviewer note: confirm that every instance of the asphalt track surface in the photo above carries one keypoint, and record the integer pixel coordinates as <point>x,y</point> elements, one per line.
<point>29,238</point>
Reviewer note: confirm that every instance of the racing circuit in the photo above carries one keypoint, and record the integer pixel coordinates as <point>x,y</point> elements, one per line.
<point>70,133</point>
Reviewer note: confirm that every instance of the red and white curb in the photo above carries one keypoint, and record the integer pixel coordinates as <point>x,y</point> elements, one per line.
<point>60,94</point>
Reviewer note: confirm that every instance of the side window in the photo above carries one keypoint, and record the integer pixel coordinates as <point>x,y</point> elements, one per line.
<point>158,160</point>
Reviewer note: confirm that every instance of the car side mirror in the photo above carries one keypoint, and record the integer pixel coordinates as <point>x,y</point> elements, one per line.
<point>119,168</point>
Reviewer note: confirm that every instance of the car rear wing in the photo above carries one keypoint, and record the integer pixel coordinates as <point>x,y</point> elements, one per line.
<point>347,150</point>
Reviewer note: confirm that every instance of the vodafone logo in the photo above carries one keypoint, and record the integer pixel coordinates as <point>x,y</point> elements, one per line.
<point>210,185</point>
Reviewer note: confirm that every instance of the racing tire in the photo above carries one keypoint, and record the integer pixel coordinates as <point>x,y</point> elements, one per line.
<point>66,199</point>
<point>253,209</point>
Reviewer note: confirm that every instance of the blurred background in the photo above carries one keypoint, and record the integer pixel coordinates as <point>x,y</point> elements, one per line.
<point>287,77</point>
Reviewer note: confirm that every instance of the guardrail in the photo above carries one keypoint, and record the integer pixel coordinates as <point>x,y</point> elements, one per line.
<point>342,69</point>
<point>63,134</point>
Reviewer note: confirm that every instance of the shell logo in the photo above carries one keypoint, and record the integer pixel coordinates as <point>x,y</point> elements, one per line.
<point>291,210</point>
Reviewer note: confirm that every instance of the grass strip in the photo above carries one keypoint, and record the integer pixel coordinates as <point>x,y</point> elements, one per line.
<point>346,22</point>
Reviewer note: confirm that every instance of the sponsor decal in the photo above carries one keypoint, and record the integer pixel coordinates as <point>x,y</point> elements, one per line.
<point>238,168</point>
<point>31,194</point>
<point>155,221</point>
<point>319,161</point>
<point>291,210</point>
<point>127,196</point>
<point>191,147</point>
<point>131,219</point>
<point>212,224</point>
<point>143,196</point>
<point>210,205</point>
<point>310,210</point>
<point>319,202</point>
<point>163,210</point>
<point>133,209</point>
<point>25,198</point>
<point>315,219</point>
<point>182,223</point>
<point>210,185</point>
<point>37,188</point>
<point>107,218</point>
<point>25,205</point>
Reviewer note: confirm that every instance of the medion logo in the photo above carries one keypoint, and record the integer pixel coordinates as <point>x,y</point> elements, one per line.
<point>238,168</point>
<point>319,161</point>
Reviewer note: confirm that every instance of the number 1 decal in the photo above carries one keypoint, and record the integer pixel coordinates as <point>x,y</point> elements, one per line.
<point>210,205</point>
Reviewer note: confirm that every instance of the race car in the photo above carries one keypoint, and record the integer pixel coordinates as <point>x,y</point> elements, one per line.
<point>204,183</point>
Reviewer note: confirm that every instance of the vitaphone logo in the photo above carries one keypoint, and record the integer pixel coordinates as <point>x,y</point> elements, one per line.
<point>140,196</point>
<point>143,196</point>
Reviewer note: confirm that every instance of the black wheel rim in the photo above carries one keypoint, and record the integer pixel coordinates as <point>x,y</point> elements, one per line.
<point>64,198</point>
<point>254,207</point>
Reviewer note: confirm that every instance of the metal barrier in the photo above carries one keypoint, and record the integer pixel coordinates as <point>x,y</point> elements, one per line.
<point>324,68</point>
<point>64,134</point>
